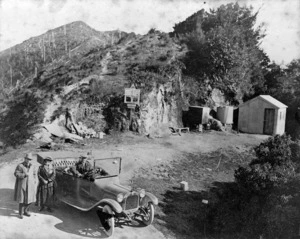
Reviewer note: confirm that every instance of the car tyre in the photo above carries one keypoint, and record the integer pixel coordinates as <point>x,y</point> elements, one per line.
<point>148,217</point>
<point>107,220</point>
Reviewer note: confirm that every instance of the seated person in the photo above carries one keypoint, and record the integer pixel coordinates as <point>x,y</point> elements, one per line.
<point>82,168</point>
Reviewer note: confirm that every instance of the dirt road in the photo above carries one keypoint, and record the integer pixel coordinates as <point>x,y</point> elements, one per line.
<point>67,222</point>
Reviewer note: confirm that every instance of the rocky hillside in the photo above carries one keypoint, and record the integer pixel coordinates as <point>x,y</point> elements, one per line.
<point>89,77</point>
<point>209,59</point>
<point>77,67</point>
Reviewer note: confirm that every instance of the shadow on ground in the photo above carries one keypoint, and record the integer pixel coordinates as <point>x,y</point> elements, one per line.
<point>73,221</point>
<point>188,214</point>
<point>8,207</point>
<point>85,224</point>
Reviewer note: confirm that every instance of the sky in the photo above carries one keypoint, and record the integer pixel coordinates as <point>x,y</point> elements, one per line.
<point>22,19</point>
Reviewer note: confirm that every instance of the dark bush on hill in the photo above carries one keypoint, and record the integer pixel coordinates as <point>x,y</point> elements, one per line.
<point>24,112</point>
<point>265,200</point>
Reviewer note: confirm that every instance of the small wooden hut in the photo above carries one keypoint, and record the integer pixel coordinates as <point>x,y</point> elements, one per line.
<point>262,115</point>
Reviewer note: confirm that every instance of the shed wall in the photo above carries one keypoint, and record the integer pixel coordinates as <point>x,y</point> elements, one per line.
<point>251,117</point>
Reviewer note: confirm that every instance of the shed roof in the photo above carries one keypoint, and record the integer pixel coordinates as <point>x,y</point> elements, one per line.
<point>269,99</point>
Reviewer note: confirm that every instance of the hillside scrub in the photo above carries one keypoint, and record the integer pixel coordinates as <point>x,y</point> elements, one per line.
<point>264,200</point>
<point>210,50</point>
<point>63,43</point>
<point>23,113</point>
<point>224,50</point>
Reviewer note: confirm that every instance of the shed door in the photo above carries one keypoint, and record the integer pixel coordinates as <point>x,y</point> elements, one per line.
<point>269,119</point>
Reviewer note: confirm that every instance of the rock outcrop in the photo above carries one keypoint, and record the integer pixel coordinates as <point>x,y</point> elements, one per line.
<point>162,108</point>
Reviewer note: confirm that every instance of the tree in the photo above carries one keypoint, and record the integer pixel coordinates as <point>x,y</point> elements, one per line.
<point>224,50</point>
<point>284,85</point>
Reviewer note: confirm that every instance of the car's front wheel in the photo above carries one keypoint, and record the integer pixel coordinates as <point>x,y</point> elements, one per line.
<point>107,220</point>
<point>148,214</point>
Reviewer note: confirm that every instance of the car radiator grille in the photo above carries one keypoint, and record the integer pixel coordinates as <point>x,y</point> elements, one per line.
<point>132,202</point>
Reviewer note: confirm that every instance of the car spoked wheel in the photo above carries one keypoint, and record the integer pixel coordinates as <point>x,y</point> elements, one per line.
<point>148,214</point>
<point>107,220</point>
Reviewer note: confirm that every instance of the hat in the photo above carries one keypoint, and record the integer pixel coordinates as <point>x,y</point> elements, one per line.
<point>83,156</point>
<point>48,159</point>
<point>29,156</point>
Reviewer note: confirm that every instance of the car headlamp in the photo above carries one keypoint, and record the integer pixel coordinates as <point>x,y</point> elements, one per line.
<point>142,193</point>
<point>120,197</point>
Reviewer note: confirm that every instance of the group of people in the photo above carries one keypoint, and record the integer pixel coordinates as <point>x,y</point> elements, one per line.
<point>38,185</point>
<point>34,185</point>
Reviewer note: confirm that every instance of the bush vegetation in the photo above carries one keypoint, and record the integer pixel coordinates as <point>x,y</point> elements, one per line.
<point>23,113</point>
<point>224,50</point>
<point>264,201</point>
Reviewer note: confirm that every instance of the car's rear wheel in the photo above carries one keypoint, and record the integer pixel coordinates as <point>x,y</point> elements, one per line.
<point>148,215</point>
<point>107,220</point>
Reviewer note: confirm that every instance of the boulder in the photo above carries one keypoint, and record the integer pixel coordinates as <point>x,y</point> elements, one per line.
<point>42,135</point>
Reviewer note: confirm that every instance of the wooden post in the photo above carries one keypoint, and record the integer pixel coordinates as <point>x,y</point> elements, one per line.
<point>184,186</point>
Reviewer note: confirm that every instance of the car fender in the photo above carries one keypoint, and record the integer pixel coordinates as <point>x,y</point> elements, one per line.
<point>116,207</point>
<point>149,197</point>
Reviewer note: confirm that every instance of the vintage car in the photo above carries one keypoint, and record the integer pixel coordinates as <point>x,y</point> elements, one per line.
<point>102,190</point>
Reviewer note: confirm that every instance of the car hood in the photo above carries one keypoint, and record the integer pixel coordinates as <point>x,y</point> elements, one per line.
<point>116,188</point>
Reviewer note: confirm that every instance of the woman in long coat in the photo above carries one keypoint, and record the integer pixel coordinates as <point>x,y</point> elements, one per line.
<point>47,184</point>
<point>25,186</point>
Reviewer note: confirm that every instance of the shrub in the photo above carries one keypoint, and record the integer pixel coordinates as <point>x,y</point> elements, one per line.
<point>268,192</point>
<point>276,151</point>
<point>264,200</point>
<point>24,112</point>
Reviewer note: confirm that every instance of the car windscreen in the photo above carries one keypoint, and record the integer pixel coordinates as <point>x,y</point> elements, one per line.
<point>108,167</point>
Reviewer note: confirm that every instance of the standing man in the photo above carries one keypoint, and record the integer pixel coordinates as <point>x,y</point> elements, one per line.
<point>25,186</point>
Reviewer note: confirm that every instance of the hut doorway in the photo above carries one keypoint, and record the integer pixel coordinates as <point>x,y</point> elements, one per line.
<point>269,120</point>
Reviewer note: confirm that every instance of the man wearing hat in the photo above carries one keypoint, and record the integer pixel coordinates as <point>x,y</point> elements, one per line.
<point>83,167</point>
<point>25,186</point>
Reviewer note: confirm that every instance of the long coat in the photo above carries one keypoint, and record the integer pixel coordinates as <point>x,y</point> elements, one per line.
<point>26,183</point>
<point>47,185</point>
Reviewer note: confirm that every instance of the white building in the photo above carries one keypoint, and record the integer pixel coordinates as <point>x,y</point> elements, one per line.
<point>262,115</point>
